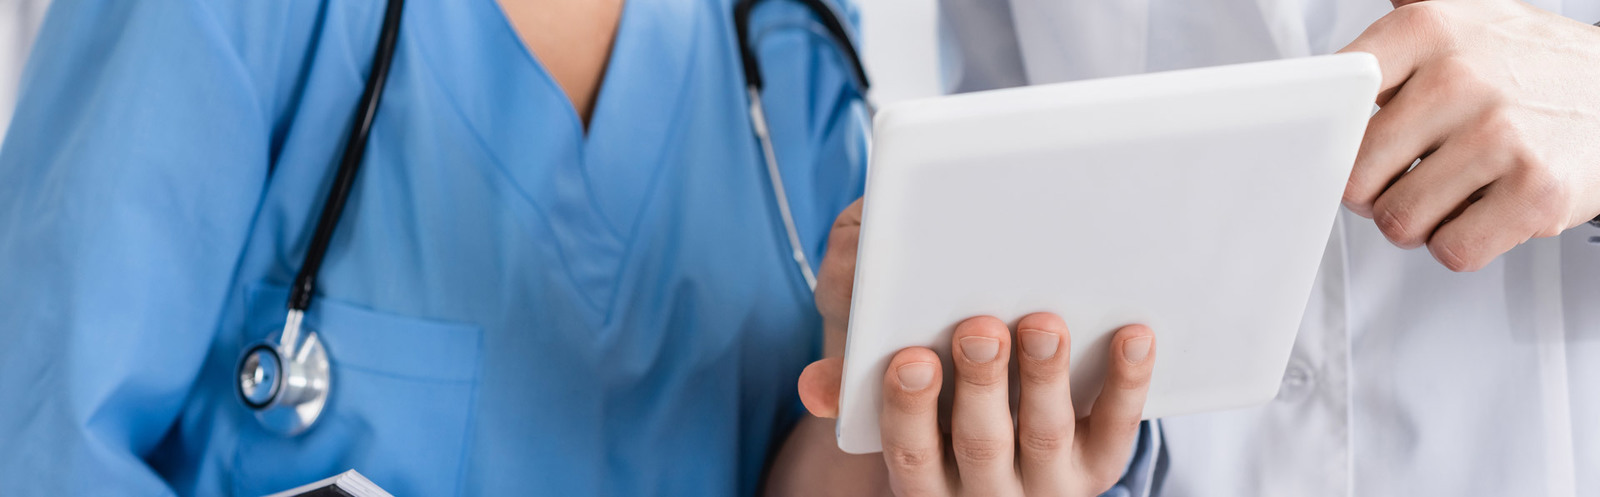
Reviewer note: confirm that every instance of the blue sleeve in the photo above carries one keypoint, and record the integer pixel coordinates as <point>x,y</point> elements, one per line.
<point>128,182</point>
<point>1147,468</point>
<point>816,116</point>
<point>818,122</point>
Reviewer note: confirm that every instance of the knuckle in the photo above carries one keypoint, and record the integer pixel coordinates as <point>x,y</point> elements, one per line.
<point>900,456</point>
<point>1454,253</point>
<point>984,377</point>
<point>846,230</point>
<point>1045,441</point>
<point>1041,372</point>
<point>1499,129</point>
<point>1456,80</point>
<point>845,221</point>
<point>850,216</point>
<point>1396,221</point>
<point>912,403</point>
<point>1547,230</point>
<point>1133,379</point>
<point>1495,96</point>
<point>1532,171</point>
<point>980,450</point>
<point>983,381</point>
<point>1536,181</point>
<point>1546,200</point>
<point>1129,426</point>
<point>1548,224</point>
<point>1357,196</point>
<point>1422,18</point>
<point>842,240</point>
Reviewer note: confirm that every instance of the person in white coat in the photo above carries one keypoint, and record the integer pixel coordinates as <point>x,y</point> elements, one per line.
<point>1471,368</point>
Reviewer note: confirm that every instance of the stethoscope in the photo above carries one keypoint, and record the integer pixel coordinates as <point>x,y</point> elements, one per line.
<point>285,380</point>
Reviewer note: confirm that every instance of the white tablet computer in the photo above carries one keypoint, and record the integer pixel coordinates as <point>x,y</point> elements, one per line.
<point>1197,202</point>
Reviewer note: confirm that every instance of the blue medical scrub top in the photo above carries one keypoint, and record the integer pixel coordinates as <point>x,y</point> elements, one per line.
<point>512,307</point>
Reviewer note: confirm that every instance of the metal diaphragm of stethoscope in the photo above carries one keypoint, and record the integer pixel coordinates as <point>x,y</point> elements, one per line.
<point>286,379</point>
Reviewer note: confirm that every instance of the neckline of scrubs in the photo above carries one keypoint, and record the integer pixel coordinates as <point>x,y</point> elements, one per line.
<point>585,192</point>
<point>632,122</point>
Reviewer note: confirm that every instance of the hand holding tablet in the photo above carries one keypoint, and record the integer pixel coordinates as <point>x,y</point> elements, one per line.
<point>1057,452</point>
<point>1196,202</point>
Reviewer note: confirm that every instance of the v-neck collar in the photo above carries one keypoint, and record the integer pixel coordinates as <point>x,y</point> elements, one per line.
<point>511,101</point>
<point>588,189</point>
<point>637,108</point>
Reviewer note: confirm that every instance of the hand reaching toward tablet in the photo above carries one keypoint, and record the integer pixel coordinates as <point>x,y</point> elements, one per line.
<point>1048,451</point>
<point>1500,101</point>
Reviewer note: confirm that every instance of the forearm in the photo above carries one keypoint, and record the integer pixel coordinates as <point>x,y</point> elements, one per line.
<point>811,464</point>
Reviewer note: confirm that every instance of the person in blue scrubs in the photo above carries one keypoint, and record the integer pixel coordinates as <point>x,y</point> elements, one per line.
<point>520,298</point>
<point>513,304</point>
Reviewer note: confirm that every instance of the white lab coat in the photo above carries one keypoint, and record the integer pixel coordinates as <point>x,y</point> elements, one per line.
<point>19,19</point>
<point>1406,379</point>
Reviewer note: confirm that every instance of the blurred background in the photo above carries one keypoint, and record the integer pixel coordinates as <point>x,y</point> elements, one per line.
<point>900,46</point>
<point>899,41</point>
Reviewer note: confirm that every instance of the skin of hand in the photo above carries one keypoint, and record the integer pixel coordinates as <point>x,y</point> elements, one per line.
<point>1048,451</point>
<point>1501,102</point>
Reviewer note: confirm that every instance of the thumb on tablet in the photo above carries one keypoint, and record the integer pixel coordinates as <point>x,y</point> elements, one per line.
<point>836,278</point>
<point>819,387</point>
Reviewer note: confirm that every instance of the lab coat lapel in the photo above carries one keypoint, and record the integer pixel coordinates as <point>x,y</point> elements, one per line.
<point>1285,20</point>
<point>1064,40</point>
<point>1534,302</point>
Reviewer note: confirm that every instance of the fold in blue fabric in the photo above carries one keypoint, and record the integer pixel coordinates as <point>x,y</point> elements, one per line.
<point>511,303</point>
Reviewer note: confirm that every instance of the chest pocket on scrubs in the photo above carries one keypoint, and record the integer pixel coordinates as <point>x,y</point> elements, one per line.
<point>399,410</point>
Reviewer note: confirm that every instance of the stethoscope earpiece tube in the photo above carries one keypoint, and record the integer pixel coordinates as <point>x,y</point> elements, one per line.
<point>285,380</point>
<point>354,150</point>
<point>830,20</point>
<point>286,383</point>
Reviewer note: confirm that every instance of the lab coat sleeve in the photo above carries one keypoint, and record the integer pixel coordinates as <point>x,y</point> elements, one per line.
<point>128,182</point>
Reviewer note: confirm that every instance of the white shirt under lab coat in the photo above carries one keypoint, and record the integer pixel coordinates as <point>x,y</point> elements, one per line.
<point>1406,379</point>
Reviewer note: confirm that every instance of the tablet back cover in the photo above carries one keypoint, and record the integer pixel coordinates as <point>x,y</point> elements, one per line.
<point>1197,202</point>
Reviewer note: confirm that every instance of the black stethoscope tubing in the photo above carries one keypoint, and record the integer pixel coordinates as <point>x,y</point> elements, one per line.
<point>355,147</point>
<point>295,371</point>
<point>831,21</point>
<point>305,282</point>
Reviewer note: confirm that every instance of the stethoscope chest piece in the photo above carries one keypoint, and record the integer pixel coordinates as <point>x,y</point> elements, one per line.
<point>285,379</point>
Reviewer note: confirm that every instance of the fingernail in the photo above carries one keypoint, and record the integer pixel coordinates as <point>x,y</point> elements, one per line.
<point>915,376</point>
<point>1136,350</point>
<point>980,349</point>
<point>1039,345</point>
